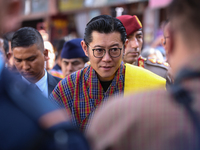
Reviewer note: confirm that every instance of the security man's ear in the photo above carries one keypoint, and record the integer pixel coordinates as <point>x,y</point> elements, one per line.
<point>164,42</point>
<point>171,40</point>
<point>84,47</point>
<point>46,57</point>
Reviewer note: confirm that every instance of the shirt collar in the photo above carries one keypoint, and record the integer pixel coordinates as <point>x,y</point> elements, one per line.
<point>42,84</point>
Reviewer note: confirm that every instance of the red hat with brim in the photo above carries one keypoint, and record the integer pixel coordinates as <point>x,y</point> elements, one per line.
<point>131,23</point>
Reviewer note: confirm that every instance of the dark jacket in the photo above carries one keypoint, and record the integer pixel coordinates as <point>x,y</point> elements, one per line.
<point>52,82</point>
<point>22,108</point>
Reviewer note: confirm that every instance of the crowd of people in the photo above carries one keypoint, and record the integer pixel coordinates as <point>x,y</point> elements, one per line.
<point>102,91</point>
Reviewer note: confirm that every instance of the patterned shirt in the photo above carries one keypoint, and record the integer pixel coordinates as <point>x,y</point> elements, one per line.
<point>81,93</point>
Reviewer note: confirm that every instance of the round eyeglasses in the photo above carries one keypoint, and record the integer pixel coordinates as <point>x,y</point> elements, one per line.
<point>100,52</point>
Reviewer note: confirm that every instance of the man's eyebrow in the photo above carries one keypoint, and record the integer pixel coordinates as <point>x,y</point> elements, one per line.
<point>75,61</point>
<point>17,58</point>
<point>116,44</point>
<point>64,61</point>
<point>26,58</point>
<point>139,33</point>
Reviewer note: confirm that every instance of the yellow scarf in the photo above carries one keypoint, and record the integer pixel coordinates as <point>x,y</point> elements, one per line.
<point>140,79</point>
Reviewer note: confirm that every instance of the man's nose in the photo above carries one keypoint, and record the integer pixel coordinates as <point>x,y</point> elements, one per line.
<point>70,67</point>
<point>134,43</point>
<point>106,57</point>
<point>25,65</point>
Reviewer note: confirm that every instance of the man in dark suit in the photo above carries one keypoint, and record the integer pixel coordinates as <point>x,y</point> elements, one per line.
<point>29,58</point>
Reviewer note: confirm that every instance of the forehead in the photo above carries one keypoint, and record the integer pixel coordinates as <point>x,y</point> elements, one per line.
<point>72,60</point>
<point>33,49</point>
<point>106,39</point>
<point>138,32</point>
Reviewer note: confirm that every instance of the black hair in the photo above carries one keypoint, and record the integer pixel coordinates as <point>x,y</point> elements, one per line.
<point>8,36</point>
<point>85,59</point>
<point>104,24</point>
<point>5,46</point>
<point>27,36</point>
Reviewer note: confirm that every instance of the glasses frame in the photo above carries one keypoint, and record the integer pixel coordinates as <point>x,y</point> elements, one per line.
<point>93,49</point>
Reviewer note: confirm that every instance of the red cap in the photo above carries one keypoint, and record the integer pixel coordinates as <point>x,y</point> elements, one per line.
<point>131,23</point>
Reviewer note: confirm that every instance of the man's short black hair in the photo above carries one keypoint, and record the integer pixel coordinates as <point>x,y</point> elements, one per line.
<point>104,24</point>
<point>27,36</point>
<point>85,59</point>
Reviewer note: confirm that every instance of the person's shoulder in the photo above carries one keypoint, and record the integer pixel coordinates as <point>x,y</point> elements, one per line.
<point>158,67</point>
<point>153,62</point>
<point>53,78</point>
<point>158,63</point>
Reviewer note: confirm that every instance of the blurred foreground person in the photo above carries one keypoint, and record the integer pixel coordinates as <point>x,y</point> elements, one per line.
<point>84,90</point>
<point>9,56</point>
<point>160,120</point>
<point>133,49</point>
<point>29,58</point>
<point>73,57</point>
<point>28,119</point>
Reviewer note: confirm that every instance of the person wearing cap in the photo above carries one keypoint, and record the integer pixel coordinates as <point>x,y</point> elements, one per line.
<point>84,90</point>
<point>132,53</point>
<point>73,57</point>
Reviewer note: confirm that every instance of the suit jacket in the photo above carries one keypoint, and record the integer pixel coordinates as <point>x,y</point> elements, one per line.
<point>21,101</point>
<point>52,82</point>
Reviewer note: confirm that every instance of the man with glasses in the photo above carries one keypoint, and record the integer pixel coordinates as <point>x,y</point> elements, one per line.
<point>83,91</point>
<point>165,39</point>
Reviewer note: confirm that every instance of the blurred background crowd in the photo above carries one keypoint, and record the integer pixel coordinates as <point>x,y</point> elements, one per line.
<point>59,21</point>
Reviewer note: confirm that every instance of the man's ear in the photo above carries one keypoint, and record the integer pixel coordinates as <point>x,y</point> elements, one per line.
<point>84,47</point>
<point>163,41</point>
<point>125,45</point>
<point>9,55</point>
<point>171,40</point>
<point>46,57</point>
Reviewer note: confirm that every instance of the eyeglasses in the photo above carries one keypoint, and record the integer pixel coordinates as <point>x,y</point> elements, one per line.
<point>100,52</point>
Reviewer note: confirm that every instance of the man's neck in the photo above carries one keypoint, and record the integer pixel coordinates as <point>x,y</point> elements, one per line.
<point>34,80</point>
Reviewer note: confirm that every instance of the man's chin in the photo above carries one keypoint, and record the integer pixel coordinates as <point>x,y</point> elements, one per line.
<point>130,61</point>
